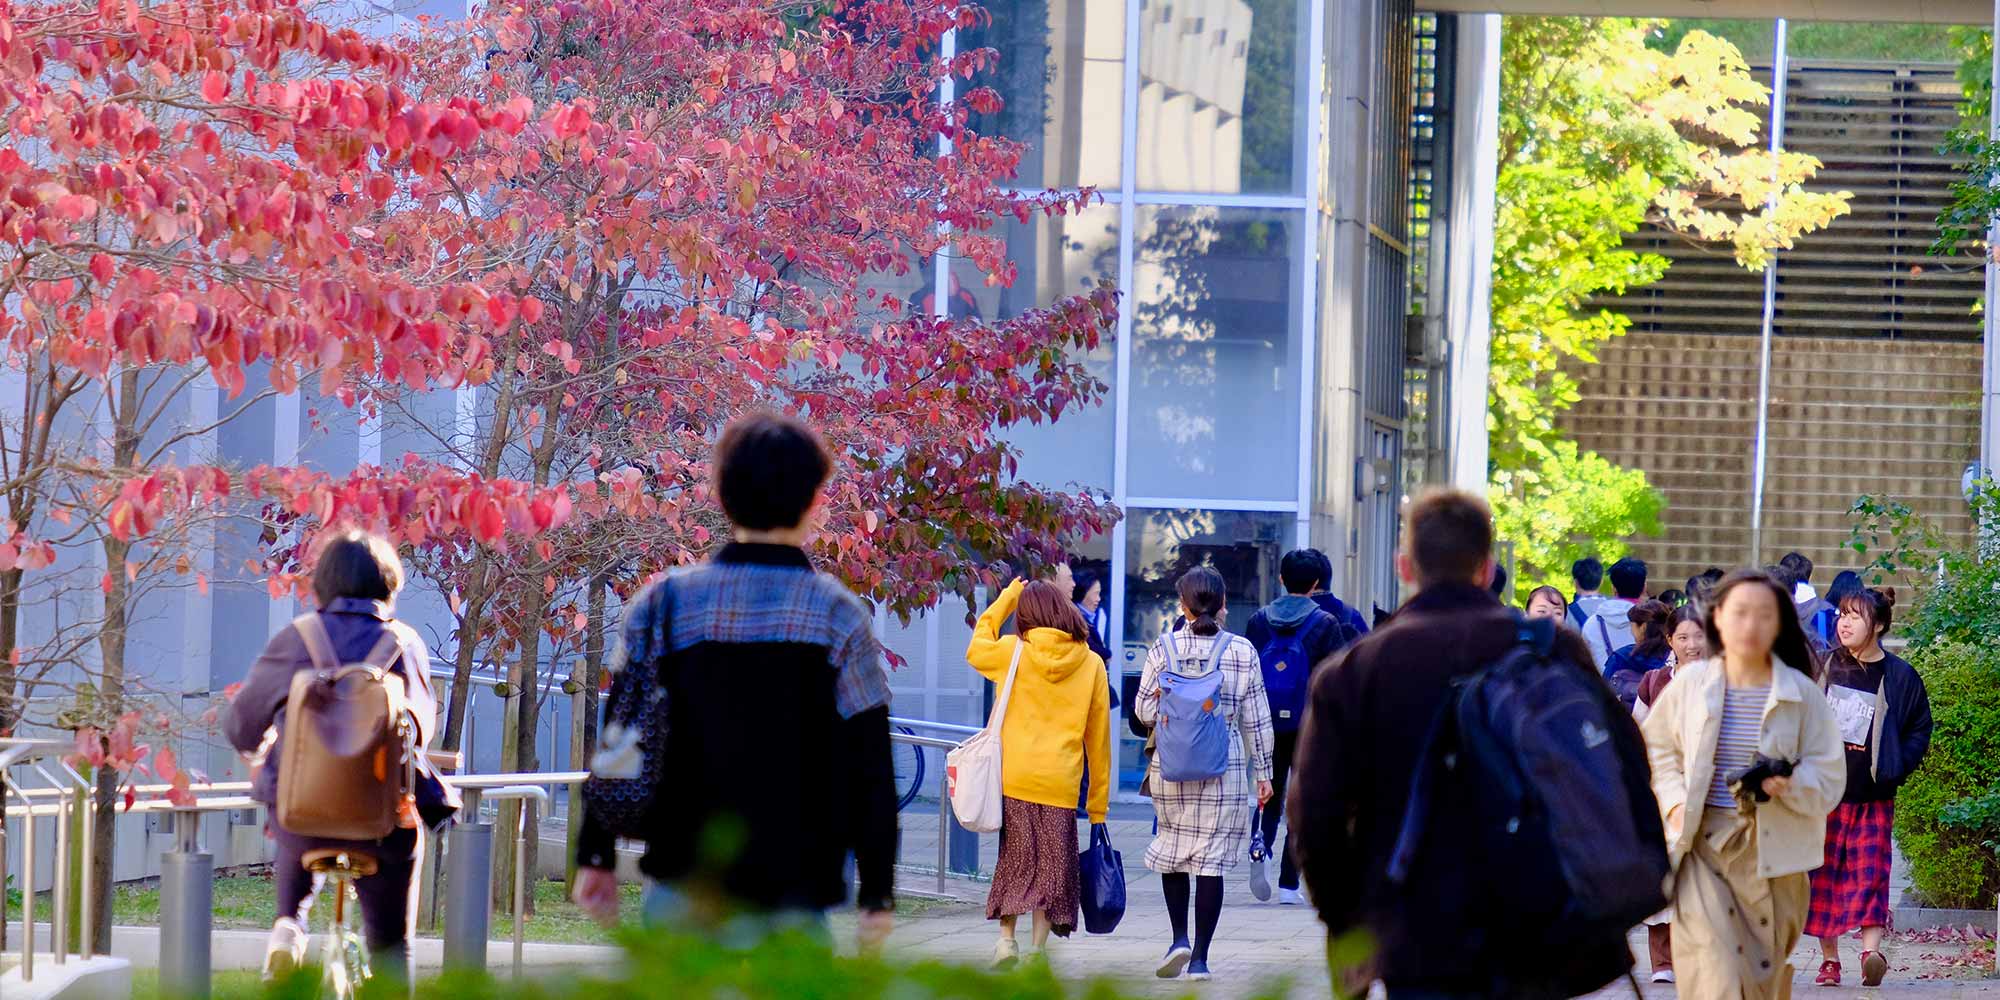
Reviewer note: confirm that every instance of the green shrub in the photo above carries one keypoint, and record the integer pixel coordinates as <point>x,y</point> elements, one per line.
<point>1951,866</point>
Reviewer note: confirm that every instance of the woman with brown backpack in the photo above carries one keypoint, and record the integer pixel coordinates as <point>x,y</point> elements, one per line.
<point>357,682</point>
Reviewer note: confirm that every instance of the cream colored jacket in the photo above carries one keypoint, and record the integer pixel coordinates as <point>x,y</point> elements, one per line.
<point>1681,732</point>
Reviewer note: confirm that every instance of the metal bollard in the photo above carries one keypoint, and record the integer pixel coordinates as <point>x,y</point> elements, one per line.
<point>187,903</point>
<point>468,912</point>
<point>28,893</point>
<point>964,848</point>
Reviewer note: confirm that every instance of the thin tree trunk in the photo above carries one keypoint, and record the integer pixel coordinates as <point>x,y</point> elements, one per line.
<point>517,755</point>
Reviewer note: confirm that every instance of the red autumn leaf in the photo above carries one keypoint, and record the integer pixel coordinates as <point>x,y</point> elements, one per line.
<point>214,86</point>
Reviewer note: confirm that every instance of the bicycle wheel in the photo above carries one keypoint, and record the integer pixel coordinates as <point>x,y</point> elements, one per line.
<point>908,759</point>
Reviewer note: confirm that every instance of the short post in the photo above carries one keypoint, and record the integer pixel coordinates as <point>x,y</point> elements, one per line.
<point>187,904</point>
<point>964,848</point>
<point>944,833</point>
<point>28,891</point>
<point>87,808</point>
<point>468,909</point>
<point>59,886</point>
<point>520,888</point>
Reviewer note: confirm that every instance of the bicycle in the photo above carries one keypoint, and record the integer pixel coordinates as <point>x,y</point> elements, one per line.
<point>344,961</point>
<point>908,761</point>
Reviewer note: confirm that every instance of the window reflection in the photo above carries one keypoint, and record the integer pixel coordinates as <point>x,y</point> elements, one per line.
<point>1061,72</point>
<point>1054,258</point>
<point>1219,105</point>
<point>1215,394</point>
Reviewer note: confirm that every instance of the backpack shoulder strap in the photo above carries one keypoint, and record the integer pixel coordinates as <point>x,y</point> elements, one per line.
<point>1222,641</point>
<point>319,646</point>
<point>388,650</point>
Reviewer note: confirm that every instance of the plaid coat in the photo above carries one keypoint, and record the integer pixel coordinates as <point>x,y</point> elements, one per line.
<point>1205,825</point>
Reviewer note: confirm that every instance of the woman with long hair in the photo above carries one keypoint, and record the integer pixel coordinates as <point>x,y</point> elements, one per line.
<point>1885,725</point>
<point>1058,718</point>
<point>1747,762</point>
<point>1627,667</point>
<point>1204,824</point>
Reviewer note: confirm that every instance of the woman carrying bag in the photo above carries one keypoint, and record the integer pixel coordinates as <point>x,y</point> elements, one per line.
<point>1057,717</point>
<point>1204,811</point>
<point>1747,762</point>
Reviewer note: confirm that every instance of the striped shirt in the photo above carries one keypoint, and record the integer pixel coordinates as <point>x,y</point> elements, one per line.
<point>1736,744</point>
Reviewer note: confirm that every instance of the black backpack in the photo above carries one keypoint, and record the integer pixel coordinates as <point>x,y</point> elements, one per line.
<point>1524,748</point>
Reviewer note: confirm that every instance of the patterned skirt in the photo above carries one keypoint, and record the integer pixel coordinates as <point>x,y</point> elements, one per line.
<point>1037,868</point>
<point>1852,889</point>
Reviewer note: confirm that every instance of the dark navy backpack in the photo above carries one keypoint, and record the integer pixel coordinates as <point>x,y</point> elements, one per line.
<point>1525,751</point>
<point>1287,667</point>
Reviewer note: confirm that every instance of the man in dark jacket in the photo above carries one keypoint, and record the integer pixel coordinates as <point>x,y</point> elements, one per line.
<point>1365,732</point>
<point>1293,627</point>
<point>1352,625</point>
<point>777,756</point>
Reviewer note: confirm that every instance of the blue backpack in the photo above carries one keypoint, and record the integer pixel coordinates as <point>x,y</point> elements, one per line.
<point>1191,736</point>
<point>1287,668</point>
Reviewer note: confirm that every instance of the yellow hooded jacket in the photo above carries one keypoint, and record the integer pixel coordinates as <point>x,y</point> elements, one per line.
<point>1058,716</point>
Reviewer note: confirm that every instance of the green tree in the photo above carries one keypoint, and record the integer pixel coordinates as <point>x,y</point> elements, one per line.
<point>1601,133</point>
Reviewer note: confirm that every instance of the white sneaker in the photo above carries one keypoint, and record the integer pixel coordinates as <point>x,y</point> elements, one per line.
<point>1006,954</point>
<point>286,950</point>
<point>1260,881</point>
<point>1663,976</point>
<point>1291,897</point>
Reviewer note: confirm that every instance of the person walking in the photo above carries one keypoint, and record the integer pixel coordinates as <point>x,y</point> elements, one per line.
<point>1294,638</point>
<point>1204,824</point>
<point>1690,646</point>
<point>1353,626</point>
<point>355,581</point>
<point>756,633</point>
<point>1608,630</point>
<point>1440,934</point>
<point>1884,713</point>
<point>1058,717</point>
<point>1088,594</point>
<point>1547,602</point>
<point>1742,831</point>
<point>1647,653</point>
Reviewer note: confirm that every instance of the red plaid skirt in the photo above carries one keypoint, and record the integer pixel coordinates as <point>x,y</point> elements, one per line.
<point>1851,890</point>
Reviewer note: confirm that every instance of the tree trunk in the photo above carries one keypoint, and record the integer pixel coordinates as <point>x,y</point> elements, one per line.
<point>583,722</point>
<point>110,698</point>
<point>517,755</point>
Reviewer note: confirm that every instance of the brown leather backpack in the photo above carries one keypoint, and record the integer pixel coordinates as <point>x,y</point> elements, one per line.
<point>344,768</point>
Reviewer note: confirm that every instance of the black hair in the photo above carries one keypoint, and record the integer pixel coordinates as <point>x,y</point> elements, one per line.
<point>1325,568</point>
<point>1552,593</point>
<point>1800,567</point>
<point>1878,605</point>
<point>1846,583</point>
<point>1683,614</point>
<point>1587,573</point>
<point>1628,578</point>
<point>1084,581</point>
<point>768,471</point>
<point>1672,598</point>
<point>1713,575</point>
<point>357,564</point>
<point>1203,593</point>
<point>1790,647</point>
<point>1652,617</point>
<point>1300,571</point>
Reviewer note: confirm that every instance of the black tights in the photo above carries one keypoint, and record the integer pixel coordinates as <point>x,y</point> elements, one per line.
<point>1207,908</point>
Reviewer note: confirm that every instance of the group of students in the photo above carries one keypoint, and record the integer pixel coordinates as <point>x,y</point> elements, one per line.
<point>1056,732</point>
<point>1879,702</point>
<point>1752,762</point>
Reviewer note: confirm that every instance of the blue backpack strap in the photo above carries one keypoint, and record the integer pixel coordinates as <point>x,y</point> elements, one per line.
<point>1222,640</point>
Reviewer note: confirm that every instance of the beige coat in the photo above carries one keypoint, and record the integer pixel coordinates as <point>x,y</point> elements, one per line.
<point>1681,732</point>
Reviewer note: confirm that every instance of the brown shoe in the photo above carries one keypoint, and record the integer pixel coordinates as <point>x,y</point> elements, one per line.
<point>1874,965</point>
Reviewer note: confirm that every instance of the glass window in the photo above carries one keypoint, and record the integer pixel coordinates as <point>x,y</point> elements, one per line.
<point>1160,545</point>
<point>1216,307</point>
<point>1054,258</point>
<point>1061,74</point>
<point>1221,110</point>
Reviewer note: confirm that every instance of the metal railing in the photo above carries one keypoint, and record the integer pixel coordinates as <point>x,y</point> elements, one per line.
<point>187,871</point>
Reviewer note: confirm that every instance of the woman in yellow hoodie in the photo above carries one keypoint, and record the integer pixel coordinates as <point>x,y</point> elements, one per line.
<point>1058,718</point>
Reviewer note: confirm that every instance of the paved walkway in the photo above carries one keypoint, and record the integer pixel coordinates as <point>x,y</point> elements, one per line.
<point>1257,943</point>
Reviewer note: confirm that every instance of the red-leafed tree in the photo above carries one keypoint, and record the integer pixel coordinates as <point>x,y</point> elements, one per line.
<point>735,179</point>
<point>188,203</point>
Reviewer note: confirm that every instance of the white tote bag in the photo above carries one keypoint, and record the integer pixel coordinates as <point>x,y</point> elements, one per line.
<point>972,771</point>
